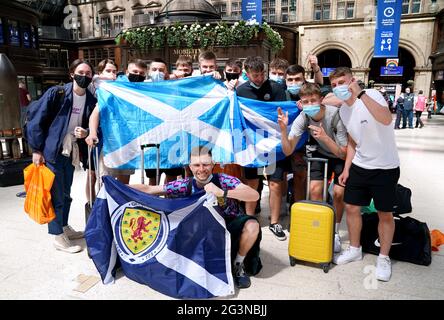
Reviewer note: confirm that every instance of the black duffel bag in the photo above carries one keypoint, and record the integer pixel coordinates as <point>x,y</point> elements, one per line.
<point>403,202</point>
<point>411,242</point>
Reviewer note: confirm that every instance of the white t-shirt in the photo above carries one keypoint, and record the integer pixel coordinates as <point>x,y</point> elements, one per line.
<point>375,142</point>
<point>78,104</point>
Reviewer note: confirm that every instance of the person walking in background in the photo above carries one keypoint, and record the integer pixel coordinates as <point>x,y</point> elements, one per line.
<point>400,112</point>
<point>420,106</point>
<point>430,105</point>
<point>409,101</point>
<point>24,99</point>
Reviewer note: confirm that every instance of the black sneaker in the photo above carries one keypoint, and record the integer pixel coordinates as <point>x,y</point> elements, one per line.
<point>276,228</point>
<point>241,279</point>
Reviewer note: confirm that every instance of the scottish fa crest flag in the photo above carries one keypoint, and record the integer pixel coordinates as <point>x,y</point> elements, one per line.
<point>181,114</point>
<point>179,247</point>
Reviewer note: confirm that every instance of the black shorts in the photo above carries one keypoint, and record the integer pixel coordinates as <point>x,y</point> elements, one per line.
<point>235,226</point>
<point>364,184</point>
<point>335,165</point>
<point>151,173</point>
<point>274,172</point>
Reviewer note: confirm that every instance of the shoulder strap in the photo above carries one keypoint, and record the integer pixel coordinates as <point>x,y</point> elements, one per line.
<point>334,122</point>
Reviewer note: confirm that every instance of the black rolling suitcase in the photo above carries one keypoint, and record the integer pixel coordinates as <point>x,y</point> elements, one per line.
<point>142,161</point>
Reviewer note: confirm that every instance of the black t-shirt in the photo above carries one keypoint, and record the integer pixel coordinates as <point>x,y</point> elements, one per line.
<point>269,91</point>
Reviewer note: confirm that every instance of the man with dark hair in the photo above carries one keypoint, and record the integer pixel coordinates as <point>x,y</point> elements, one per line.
<point>259,88</point>
<point>232,71</point>
<point>158,70</point>
<point>245,230</point>
<point>136,71</point>
<point>330,134</point>
<point>371,168</point>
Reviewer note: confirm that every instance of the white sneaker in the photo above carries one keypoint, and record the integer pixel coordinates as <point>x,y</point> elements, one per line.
<point>71,233</point>
<point>337,243</point>
<point>62,243</point>
<point>383,269</point>
<point>349,255</point>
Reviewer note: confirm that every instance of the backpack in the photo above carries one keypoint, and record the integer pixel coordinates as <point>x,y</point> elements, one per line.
<point>34,107</point>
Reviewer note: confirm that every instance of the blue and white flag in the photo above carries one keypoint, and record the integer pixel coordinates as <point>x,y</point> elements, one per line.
<point>182,114</point>
<point>179,247</point>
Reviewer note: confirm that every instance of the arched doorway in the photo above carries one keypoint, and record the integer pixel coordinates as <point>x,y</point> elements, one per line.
<point>406,60</point>
<point>331,59</point>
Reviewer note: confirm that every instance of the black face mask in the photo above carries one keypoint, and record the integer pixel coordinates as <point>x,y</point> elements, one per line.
<point>187,74</point>
<point>82,81</point>
<point>132,77</point>
<point>232,76</point>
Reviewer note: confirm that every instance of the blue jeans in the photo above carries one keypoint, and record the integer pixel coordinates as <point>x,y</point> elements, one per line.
<point>408,114</point>
<point>61,192</point>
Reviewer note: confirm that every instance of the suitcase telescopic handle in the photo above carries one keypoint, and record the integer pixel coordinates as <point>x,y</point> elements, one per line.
<point>324,191</point>
<point>142,160</point>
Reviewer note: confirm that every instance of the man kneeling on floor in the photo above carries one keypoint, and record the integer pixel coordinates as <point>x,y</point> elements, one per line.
<point>244,229</point>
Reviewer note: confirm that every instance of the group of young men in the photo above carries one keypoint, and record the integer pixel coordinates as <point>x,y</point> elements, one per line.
<point>350,127</point>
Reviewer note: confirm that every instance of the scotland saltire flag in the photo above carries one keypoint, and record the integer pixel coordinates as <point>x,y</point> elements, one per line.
<point>179,247</point>
<point>181,114</point>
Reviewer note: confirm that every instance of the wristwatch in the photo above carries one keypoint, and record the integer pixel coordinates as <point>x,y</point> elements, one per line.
<point>360,94</point>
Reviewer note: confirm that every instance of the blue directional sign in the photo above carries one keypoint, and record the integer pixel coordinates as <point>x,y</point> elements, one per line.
<point>388,22</point>
<point>392,71</point>
<point>252,10</point>
<point>326,71</point>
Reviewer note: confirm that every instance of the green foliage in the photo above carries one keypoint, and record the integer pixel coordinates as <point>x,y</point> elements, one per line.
<point>201,36</point>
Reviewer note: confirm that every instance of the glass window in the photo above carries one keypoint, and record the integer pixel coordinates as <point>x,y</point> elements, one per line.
<point>321,9</point>
<point>64,59</point>
<point>44,57</point>
<point>416,6</point>
<point>341,10</point>
<point>118,22</point>
<point>53,58</point>
<point>284,3</point>
<point>14,34</point>
<point>106,26</point>
<point>405,6</point>
<point>350,9</point>
<point>272,4</point>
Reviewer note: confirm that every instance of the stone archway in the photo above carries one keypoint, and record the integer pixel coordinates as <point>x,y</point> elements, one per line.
<point>334,45</point>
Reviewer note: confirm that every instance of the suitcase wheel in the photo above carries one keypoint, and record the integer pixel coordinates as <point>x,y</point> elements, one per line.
<point>325,267</point>
<point>292,261</point>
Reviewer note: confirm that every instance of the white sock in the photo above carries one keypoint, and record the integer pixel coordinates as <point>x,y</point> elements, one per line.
<point>239,259</point>
<point>355,248</point>
<point>382,256</point>
<point>337,227</point>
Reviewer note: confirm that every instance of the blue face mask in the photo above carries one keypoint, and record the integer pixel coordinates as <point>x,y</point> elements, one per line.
<point>244,75</point>
<point>294,89</point>
<point>157,76</point>
<point>342,92</point>
<point>276,78</point>
<point>312,110</point>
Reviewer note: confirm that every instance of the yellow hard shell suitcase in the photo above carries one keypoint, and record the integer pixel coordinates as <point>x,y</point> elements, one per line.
<point>312,227</point>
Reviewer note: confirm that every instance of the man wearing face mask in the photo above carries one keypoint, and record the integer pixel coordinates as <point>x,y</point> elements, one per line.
<point>184,67</point>
<point>232,73</point>
<point>371,168</point>
<point>208,65</point>
<point>278,67</point>
<point>158,70</point>
<point>59,122</point>
<point>260,88</point>
<point>329,132</point>
<point>135,72</point>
